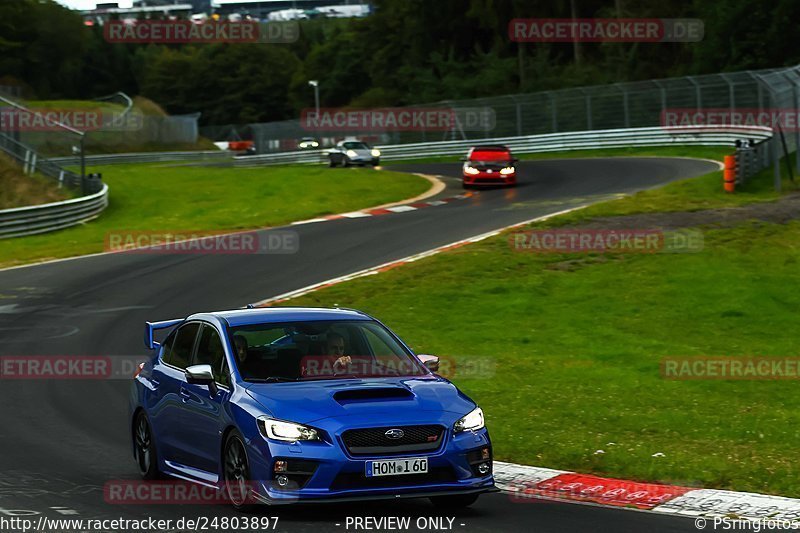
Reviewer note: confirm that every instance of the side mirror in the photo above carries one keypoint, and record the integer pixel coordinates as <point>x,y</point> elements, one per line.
<point>431,362</point>
<point>201,375</point>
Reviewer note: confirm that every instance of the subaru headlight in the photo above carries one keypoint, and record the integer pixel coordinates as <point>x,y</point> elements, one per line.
<point>351,153</point>
<point>375,152</point>
<point>471,422</point>
<point>506,171</point>
<point>471,170</point>
<point>285,431</point>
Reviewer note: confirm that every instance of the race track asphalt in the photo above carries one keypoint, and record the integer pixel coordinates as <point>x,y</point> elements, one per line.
<point>62,440</point>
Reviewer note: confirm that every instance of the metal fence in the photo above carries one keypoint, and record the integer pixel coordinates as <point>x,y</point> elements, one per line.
<point>602,107</point>
<point>110,125</point>
<point>551,142</point>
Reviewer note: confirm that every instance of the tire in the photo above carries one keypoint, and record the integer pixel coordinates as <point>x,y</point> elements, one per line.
<point>346,162</point>
<point>331,163</point>
<point>144,447</point>
<point>236,473</point>
<point>465,186</point>
<point>459,501</point>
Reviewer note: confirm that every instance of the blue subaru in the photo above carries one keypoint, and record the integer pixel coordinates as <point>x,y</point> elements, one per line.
<point>283,405</point>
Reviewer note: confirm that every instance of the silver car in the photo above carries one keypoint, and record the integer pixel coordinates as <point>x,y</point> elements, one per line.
<point>353,152</point>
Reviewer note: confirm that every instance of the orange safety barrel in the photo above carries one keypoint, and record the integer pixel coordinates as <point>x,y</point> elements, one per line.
<point>729,173</point>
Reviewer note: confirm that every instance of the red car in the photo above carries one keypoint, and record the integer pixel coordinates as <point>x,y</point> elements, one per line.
<point>489,165</point>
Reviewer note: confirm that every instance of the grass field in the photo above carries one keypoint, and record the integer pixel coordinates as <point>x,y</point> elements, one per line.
<point>19,190</point>
<point>162,197</point>
<point>575,343</point>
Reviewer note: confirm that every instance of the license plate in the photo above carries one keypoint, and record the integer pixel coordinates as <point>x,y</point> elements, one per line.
<point>397,467</point>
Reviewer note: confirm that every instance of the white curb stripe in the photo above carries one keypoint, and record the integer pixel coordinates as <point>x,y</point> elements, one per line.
<point>309,221</point>
<point>401,208</point>
<point>746,505</point>
<point>509,477</point>
<point>357,214</point>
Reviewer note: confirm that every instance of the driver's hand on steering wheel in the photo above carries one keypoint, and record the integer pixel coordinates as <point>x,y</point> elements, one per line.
<point>341,364</point>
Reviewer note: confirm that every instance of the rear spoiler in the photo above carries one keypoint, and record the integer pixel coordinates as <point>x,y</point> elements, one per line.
<point>150,327</point>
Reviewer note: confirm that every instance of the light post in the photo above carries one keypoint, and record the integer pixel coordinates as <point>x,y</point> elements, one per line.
<point>315,85</point>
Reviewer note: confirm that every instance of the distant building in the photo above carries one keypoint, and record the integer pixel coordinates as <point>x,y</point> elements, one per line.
<point>233,9</point>
<point>141,9</point>
<point>198,6</point>
<point>290,9</point>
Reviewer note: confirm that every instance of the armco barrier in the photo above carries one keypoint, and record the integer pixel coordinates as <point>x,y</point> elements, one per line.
<point>554,142</point>
<point>31,220</point>
<point>145,157</point>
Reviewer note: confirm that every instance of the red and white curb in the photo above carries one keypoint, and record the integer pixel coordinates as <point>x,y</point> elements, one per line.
<point>387,210</point>
<point>531,484</point>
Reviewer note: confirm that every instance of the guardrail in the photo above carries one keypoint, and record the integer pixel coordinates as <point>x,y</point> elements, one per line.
<point>145,157</point>
<point>553,142</point>
<point>30,220</point>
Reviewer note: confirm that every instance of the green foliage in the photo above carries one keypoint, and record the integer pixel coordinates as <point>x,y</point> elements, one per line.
<point>406,52</point>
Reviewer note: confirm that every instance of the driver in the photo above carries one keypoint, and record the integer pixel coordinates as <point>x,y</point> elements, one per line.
<point>240,344</point>
<point>336,347</point>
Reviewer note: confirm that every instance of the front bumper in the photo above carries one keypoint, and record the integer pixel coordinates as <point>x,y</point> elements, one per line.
<point>489,178</point>
<point>364,160</point>
<point>326,471</point>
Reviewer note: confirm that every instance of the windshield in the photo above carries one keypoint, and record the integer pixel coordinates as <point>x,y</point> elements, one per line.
<point>356,146</point>
<point>303,351</point>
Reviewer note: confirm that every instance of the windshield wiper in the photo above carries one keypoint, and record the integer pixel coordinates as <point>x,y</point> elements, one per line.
<point>271,379</point>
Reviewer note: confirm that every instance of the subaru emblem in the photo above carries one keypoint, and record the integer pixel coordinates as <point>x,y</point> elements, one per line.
<point>395,434</point>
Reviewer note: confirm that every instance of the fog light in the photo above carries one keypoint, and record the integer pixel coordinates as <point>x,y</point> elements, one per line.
<point>485,453</point>
<point>484,468</point>
<point>282,480</point>
<point>280,466</point>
